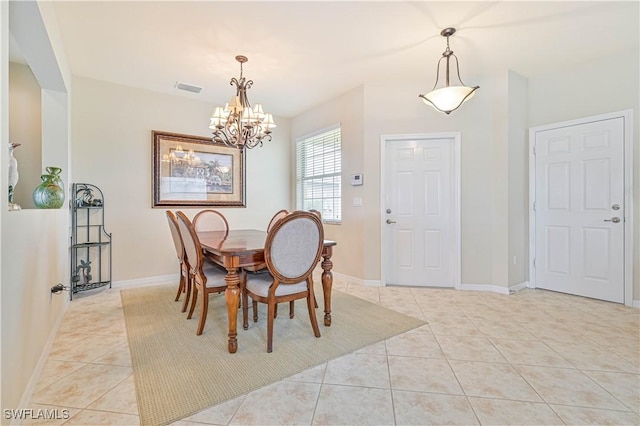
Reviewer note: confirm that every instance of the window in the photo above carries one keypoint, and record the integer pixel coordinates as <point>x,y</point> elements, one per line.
<point>318,174</point>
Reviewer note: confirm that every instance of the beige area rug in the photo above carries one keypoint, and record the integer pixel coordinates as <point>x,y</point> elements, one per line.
<point>177,373</point>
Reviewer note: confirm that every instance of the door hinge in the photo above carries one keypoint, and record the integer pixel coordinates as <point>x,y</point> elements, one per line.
<point>534,206</point>
<point>534,150</point>
<point>534,262</point>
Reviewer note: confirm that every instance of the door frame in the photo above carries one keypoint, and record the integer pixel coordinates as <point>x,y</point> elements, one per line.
<point>455,174</point>
<point>627,116</point>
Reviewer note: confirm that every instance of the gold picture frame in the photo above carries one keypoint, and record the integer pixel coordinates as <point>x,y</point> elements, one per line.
<point>194,171</point>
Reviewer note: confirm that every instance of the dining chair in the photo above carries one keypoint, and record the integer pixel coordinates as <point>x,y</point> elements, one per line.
<point>317,213</point>
<point>185,281</point>
<point>292,251</point>
<point>276,217</point>
<point>206,277</point>
<point>210,220</point>
<point>260,267</point>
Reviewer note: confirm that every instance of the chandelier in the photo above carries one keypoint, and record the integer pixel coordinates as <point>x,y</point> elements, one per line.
<point>178,156</point>
<point>448,98</point>
<point>237,124</point>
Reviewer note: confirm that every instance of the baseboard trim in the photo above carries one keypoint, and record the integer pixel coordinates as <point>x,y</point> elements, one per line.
<point>44,356</point>
<point>143,282</point>
<point>170,279</point>
<point>484,287</point>
<point>518,287</point>
<point>355,280</point>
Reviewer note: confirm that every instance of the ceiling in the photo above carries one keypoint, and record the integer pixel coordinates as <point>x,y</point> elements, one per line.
<point>304,53</point>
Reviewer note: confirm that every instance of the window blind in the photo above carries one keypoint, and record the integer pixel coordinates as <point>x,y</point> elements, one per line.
<point>318,174</point>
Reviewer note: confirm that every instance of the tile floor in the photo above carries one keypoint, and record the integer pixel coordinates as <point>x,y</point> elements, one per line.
<point>534,357</point>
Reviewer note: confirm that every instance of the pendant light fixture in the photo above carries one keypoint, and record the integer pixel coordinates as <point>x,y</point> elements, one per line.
<point>448,98</point>
<point>237,124</point>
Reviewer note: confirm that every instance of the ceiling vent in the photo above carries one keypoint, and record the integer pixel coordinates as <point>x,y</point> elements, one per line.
<point>188,87</point>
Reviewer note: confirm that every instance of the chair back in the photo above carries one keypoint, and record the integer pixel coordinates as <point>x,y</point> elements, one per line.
<point>210,220</point>
<point>191,242</point>
<point>175,234</point>
<point>317,213</point>
<point>276,217</point>
<point>294,247</point>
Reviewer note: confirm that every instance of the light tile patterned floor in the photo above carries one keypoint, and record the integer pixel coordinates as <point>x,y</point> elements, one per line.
<point>534,357</point>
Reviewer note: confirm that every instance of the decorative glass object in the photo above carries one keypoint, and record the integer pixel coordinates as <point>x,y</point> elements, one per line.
<point>50,193</point>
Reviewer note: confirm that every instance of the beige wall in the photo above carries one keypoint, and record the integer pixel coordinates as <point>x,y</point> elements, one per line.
<point>606,85</point>
<point>25,128</point>
<point>395,108</point>
<point>34,249</point>
<point>494,150</point>
<point>346,110</point>
<point>111,148</point>
<point>518,181</point>
<point>374,110</point>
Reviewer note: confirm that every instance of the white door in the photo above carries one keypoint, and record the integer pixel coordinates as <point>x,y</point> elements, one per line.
<point>419,212</point>
<point>579,209</point>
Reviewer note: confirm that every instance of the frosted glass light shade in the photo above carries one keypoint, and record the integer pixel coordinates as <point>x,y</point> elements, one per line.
<point>447,99</point>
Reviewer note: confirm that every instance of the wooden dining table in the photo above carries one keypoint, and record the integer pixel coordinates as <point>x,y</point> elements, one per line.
<point>239,248</point>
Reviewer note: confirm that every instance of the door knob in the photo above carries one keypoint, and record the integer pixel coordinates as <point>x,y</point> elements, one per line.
<point>389,221</point>
<point>613,219</point>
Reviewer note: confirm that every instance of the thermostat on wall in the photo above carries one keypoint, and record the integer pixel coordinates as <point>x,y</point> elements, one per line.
<point>356,179</point>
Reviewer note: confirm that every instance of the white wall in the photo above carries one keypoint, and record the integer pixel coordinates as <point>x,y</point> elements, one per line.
<point>606,85</point>
<point>34,249</point>
<point>111,148</point>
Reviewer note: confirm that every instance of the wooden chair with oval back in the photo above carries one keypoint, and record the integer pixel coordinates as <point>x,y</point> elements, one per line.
<point>185,280</point>
<point>206,277</point>
<point>317,213</point>
<point>276,217</point>
<point>210,220</point>
<point>262,267</point>
<point>292,251</point>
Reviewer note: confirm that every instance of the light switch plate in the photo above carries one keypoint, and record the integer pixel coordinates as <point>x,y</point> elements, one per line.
<point>357,202</point>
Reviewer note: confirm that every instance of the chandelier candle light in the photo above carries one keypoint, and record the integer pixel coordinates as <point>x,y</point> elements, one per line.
<point>448,98</point>
<point>237,124</point>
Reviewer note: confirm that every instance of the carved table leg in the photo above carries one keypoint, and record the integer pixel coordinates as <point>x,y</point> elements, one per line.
<point>327,283</point>
<point>232,297</point>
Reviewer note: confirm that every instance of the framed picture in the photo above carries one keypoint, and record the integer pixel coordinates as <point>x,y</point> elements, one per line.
<point>195,171</point>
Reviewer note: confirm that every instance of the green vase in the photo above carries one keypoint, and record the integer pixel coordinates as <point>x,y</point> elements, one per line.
<point>50,193</point>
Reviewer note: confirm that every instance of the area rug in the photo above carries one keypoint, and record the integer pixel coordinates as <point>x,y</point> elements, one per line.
<point>177,373</point>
